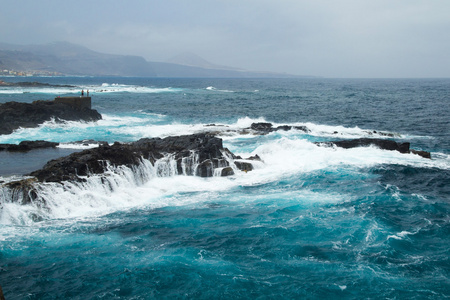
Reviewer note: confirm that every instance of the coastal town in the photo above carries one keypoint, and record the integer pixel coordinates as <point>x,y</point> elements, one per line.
<point>29,73</point>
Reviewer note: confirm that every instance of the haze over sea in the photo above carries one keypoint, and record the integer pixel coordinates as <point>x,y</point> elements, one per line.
<point>308,222</point>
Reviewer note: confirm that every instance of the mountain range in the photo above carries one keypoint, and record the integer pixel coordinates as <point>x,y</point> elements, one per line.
<point>70,59</point>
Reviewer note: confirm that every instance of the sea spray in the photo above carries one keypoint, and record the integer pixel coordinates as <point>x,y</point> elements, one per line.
<point>92,194</point>
<point>189,164</point>
<point>95,193</point>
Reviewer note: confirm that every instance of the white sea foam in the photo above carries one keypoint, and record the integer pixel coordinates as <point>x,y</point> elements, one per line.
<point>117,189</point>
<point>159,116</point>
<point>211,88</point>
<point>287,156</point>
<point>115,88</point>
<point>59,131</point>
<point>318,130</point>
<point>157,186</point>
<point>71,131</point>
<point>80,146</point>
<point>150,130</point>
<point>40,90</point>
<point>400,236</point>
<point>283,154</point>
<point>149,125</point>
<point>338,131</point>
<point>103,88</point>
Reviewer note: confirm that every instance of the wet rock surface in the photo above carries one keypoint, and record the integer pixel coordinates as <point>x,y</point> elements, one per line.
<point>365,142</point>
<point>32,84</point>
<point>380,143</point>
<point>195,155</point>
<point>265,128</point>
<point>14,115</point>
<point>204,150</point>
<point>27,146</point>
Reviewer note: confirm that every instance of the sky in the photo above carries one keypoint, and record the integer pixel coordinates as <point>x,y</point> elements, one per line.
<point>328,38</point>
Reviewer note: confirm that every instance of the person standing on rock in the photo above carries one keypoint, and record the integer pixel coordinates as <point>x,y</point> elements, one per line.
<point>82,93</point>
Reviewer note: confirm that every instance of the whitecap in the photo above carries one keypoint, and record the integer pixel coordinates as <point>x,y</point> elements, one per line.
<point>401,235</point>
<point>211,88</point>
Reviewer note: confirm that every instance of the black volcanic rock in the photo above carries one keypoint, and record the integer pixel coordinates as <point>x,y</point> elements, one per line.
<point>262,127</point>
<point>424,154</point>
<point>206,148</point>
<point>244,166</point>
<point>14,115</point>
<point>265,128</point>
<point>91,161</point>
<point>28,145</point>
<point>32,84</point>
<point>380,143</point>
<point>195,155</point>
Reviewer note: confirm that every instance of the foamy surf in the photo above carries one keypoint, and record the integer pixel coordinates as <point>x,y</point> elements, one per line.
<point>117,188</point>
<point>123,88</point>
<point>93,89</point>
<point>310,220</point>
<point>148,185</point>
<point>211,88</point>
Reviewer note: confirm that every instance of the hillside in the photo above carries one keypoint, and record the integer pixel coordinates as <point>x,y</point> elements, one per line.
<point>70,59</point>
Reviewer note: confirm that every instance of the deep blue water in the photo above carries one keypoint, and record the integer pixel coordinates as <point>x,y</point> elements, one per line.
<point>309,222</point>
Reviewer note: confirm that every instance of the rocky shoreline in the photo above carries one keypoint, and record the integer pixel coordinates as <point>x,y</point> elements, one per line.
<point>200,154</point>
<point>194,155</point>
<point>25,146</point>
<point>15,115</point>
<point>32,84</point>
<point>202,149</point>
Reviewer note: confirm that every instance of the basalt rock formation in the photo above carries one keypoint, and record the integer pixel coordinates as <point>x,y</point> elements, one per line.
<point>265,128</point>
<point>197,154</point>
<point>365,142</point>
<point>27,146</point>
<point>380,143</point>
<point>191,155</point>
<point>32,84</point>
<point>14,115</point>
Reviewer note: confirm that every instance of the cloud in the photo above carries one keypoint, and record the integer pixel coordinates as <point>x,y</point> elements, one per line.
<point>345,38</point>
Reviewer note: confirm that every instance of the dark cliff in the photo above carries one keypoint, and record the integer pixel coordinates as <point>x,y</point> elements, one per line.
<point>14,115</point>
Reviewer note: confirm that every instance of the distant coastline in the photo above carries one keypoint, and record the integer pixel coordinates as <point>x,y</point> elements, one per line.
<point>31,84</point>
<point>51,60</point>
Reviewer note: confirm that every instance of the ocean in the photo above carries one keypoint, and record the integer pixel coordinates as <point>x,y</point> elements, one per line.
<point>309,222</point>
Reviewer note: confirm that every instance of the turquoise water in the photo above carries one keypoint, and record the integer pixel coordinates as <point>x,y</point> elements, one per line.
<point>308,222</point>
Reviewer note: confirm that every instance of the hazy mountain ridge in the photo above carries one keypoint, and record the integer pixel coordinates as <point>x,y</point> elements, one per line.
<point>193,60</point>
<point>71,59</point>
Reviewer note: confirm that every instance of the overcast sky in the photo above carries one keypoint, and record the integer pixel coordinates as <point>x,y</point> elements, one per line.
<point>330,38</point>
